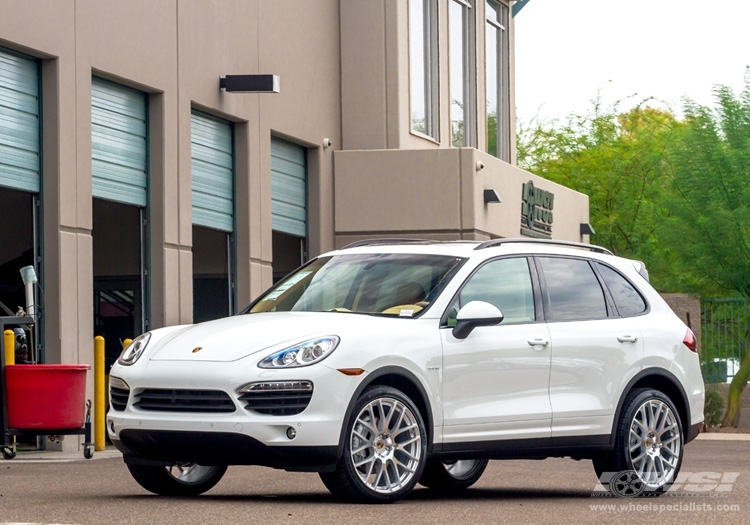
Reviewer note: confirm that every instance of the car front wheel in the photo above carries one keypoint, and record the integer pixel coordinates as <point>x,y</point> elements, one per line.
<point>447,475</point>
<point>184,479</point>
<point>384,451</point>
<point>648,447</point>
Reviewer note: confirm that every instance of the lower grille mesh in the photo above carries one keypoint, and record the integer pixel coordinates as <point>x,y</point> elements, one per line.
<point>178,400</point>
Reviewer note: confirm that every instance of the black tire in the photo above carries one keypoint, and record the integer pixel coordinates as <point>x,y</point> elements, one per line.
<point>178,480</point>
<point>656,440</point>
<point>449,475</point>
<point>384,458</point>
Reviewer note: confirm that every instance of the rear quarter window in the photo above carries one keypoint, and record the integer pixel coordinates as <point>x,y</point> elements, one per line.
<point>628,300</point>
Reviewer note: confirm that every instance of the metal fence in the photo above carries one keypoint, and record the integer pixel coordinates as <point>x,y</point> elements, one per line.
<point>725,327</point>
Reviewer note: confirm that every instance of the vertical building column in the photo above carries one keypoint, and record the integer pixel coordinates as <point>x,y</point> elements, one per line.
<point>67,217</point>
<point>169,220</point>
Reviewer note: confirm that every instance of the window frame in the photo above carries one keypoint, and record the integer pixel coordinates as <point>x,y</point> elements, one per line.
<point>501,72</point>
<point>536,287</point>
<point>467,70</point>
<point>611,312</point>
<point>429,68</point>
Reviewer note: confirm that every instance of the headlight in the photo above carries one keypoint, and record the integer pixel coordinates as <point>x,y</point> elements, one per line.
<point>303,354</point>
<point>134,350</point>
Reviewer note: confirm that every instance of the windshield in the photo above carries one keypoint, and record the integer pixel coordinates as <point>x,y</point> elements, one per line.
<point>389,284</point>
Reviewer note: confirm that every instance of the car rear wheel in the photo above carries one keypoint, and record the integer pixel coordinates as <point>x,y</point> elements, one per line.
<point>648,447</point>
<point>181,479</point>
<point>446,475</point>
<point>384,451</point>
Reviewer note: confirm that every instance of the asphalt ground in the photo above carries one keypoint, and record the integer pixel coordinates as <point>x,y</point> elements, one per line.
<point>64,488</point>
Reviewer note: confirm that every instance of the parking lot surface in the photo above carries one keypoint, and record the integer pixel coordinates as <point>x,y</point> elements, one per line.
<point>51,488</point>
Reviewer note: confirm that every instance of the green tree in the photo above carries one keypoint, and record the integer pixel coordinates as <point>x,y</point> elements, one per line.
<point>710,204</point>
<point>620,161</point>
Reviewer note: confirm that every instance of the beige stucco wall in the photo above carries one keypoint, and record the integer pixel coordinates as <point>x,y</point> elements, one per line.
<point>344,75</point>
<point>175,51</point>
<point>438,194</point>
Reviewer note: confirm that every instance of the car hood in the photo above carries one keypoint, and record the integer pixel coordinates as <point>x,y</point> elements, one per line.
<point>233,338</point>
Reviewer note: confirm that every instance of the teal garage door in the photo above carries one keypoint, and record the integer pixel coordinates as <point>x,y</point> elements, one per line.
<point>212,169</point>
<point>288,188</point>
<point>19,122</point>
<point>119,143</point>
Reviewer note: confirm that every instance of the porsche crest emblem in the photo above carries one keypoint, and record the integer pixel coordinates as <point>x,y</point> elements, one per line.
<point>197,349</point>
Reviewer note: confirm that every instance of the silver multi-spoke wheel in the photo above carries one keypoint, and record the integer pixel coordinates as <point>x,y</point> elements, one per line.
<point>191,472</point>
<point>385,448</point>
<point>648,447</point>
<point>450,475</point>
<point>461,468</point>
<point>386,445</point>
<point>655,443</point>
<point>180,479</point>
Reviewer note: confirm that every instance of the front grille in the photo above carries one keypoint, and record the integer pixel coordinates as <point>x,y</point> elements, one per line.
<point>277,398</point>
<point>178,400</point>
<point>118,398</point>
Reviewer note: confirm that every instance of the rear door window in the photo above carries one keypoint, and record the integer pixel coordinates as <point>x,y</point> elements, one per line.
<point>573,290</point>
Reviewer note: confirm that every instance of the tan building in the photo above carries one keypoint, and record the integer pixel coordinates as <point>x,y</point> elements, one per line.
<point>146,195</point>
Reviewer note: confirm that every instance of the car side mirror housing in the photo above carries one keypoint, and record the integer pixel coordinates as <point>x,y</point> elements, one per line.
<point>474,314</point>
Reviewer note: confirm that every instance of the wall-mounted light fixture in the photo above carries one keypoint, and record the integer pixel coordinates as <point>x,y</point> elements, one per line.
<point>587,229</point>
<point>480,165</point>
<point>250,83</point>
<point>491,196</point>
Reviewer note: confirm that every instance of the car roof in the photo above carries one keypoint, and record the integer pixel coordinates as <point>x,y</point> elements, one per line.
<point>488,249</point>
<point>466,248</point>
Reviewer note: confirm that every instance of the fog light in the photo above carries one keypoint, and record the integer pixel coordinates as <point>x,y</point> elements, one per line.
<point>291,433</point>
<point>111,427</point>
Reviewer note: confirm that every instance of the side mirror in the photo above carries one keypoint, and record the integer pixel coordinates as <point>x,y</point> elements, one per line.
<point>474,314</point>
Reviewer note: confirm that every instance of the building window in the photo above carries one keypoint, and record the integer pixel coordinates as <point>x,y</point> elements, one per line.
<point>461,46</point>
<point>498,80</point>
<point>423,67</point>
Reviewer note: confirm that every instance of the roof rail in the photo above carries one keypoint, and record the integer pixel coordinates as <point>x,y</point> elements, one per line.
<point>584,246</point>
<point>373,242</point>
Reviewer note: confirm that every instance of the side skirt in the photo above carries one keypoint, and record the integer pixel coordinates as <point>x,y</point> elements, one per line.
<point>577,447</point>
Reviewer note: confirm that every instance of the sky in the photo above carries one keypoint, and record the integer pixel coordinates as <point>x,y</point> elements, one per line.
<point>629,50</point>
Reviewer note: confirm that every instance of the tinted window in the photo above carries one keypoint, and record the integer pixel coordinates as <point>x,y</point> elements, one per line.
<point>627,299</point>
<point>573,289</point>
<point>506,283</point>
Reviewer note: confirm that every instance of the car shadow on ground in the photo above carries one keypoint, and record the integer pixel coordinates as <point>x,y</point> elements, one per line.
<point>418,495</point>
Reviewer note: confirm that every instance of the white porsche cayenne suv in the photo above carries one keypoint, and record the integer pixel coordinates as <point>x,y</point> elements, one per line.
<point>391,363</point>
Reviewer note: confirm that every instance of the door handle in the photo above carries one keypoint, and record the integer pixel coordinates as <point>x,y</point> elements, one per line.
<point>627,339</point>
<point>538,342</point>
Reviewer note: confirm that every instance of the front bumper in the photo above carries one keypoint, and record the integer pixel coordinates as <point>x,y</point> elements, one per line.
<point>240,437</point>
<point>164,447</point>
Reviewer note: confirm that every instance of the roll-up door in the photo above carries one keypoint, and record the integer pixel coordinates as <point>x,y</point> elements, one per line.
<point>119,139</point>
<point>288,188</point>
<point>19,122</point>
<point>212,168</point>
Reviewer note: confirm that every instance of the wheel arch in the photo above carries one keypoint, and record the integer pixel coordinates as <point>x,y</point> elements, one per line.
<point>400,379</point>
<point>666,383</point>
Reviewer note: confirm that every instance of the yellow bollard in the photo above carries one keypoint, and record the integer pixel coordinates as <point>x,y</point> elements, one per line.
<point>99,393</point>
<point>125,343</point>
<point>10,347</point>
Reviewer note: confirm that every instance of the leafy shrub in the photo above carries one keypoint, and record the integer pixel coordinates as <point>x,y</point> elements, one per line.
<point>714,408</point>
